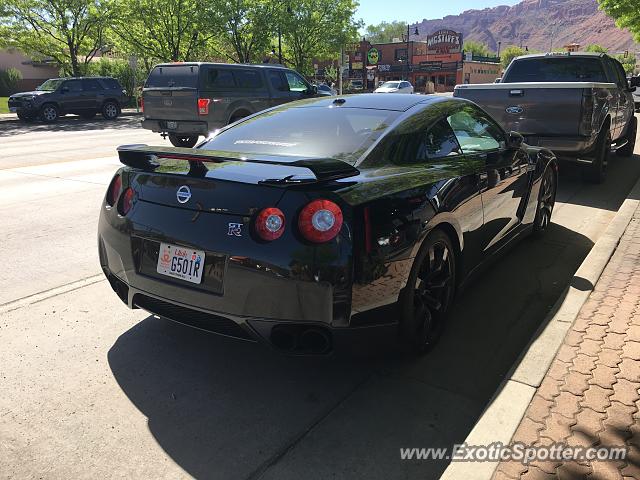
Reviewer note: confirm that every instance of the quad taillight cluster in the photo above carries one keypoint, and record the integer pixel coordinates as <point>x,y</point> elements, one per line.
<point>115,196</point>
<point>318,222</point>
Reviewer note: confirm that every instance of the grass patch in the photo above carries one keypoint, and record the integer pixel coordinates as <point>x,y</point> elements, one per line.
<point>3,105</point>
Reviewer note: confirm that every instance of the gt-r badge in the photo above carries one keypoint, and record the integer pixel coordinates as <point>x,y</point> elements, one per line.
<point>235,229</point>
<point>183,194</point>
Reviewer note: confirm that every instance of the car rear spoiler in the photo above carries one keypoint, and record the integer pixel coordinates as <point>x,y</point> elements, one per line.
<point>149,158</point>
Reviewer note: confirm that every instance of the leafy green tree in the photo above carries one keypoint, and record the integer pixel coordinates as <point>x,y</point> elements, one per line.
<point>477,48</point>
<point>509,54</point>
<point>595,48</point>
<point>316,29</point>
<point>71,32</point>
<point>385,31</point>
<point>165,30</point>
<point>246,28</point>
<point>628,62</point>
<point>626,13</point>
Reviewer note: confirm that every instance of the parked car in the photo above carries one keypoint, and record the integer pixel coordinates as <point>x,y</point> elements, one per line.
<point>84,96</point>
<point>634,82</point>
<point>577,104</point>
<point>186,100</point>
<point>326,90</point>
<point>396,86</point>
<point>284,223</point>
<point>356,85</point>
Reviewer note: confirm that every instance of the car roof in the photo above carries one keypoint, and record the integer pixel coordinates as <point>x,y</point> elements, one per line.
<point>82,78</point>
<point>375,101</point>
<point>562,54</point>
<point>218,64</point>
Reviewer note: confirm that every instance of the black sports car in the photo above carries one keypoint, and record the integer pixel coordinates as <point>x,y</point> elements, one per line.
<point>285,224</point>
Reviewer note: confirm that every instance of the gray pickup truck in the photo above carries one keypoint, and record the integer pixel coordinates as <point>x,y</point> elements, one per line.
<point>579,105</point>
<point>186,100</point>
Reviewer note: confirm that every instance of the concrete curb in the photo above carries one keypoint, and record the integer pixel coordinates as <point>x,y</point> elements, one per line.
<point>11,117</point>
<point>506,409</point>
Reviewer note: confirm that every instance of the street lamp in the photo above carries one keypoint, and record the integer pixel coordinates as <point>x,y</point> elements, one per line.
<point>499,45</point>
<point>415,32</point>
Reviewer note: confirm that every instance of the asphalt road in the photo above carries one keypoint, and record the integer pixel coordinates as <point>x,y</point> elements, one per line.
<point>90,389</point>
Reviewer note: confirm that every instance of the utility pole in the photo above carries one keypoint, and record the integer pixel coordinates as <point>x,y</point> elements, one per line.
<point>340,63</point>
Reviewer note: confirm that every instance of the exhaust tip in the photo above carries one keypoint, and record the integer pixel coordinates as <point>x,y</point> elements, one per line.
<point>315,340</point>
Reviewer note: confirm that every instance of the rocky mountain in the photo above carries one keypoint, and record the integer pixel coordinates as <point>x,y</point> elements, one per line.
<point>539,24</point>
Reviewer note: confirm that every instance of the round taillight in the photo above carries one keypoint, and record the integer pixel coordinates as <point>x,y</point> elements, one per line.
<point>320,221</point>
<point>269,224</point>
<point>127,201</point>
<point>114,190</point>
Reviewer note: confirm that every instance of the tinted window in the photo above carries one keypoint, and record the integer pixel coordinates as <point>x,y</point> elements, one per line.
<point>218,78</point>
<point>91,85</point>
<point>561,69</point>
<point>429,144</point>
<point>73,85</point>
<point>111,83</point>
<point>278,82</point>
<point>474,131</point>
<point>248,78</point>
<point>296,84</point>
<point>343,133</point>
<point>173,76</point>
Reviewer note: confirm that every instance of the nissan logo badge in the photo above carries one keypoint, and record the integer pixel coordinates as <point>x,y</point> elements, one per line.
<point>183,194</point>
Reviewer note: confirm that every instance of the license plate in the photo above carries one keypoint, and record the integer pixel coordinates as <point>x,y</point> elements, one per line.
<point>13,109</point>
<point>181,262</point>
<point>172,125</point>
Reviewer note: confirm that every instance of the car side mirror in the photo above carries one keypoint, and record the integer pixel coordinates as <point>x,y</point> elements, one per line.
<point>632,89</point>
<point>497,80</point>
<point>312,90</point>
<point>514,140</point>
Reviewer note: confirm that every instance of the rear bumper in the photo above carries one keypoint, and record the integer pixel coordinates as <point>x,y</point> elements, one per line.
<point>184,127</point>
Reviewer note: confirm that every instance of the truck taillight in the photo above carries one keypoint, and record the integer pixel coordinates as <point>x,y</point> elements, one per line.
<point>203,106</point>
<point>320,221</point>
<point>141,104</point>
<point>586,113</point>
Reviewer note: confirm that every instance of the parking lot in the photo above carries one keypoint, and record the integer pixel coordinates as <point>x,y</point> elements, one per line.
<point>94,390</point>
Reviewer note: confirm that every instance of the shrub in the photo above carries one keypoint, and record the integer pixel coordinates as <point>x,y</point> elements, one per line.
<point>9,80</point>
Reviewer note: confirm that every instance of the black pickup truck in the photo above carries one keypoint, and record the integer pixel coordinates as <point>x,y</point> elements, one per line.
<point>579,105</point>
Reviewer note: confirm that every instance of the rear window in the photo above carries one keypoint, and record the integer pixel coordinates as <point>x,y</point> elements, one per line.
<point>173,76</point>
<point>341,133</point>
<point>111,83</point>
<point>226,78</point>
<point>562,69</point>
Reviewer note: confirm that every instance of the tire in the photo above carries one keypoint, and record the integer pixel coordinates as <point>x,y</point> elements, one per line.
<point>110,110</point>
<point>425,301</point>
<point>26,118</point>
<point>49,113</point>
<point>546,201</point>
<point>597,171</point>
<point>632,131</point>
<point>88,115</point>
<point>237,116</point>
<point>185,141</point>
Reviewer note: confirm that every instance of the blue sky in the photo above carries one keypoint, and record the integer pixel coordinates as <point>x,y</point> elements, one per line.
<point>376,11</point>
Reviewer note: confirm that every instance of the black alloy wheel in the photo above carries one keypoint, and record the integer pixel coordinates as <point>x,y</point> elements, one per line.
<point>185,141</point>
<point>49,113</point>
<point>546,200</point>
<point>426,300</point>
<point>110,110</point>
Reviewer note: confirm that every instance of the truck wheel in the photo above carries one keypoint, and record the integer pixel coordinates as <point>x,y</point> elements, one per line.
<point>49,113</point>
<point>186,141</point>
<point>632,131</point>
<point>596,172</point>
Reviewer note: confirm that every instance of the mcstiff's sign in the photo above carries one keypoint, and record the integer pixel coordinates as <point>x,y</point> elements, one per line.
<point>444,42</point>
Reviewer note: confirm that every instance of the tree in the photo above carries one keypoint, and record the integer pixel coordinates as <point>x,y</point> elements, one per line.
<point>477,48</point>
<point>628,62</point>
<point>626,13</point>
<point>71,32</point>
<point>245,28</point>
<point>595,48</point>
<point>385,31</point>
<point>165,30</point>
<point>509,54</point>
<point>316,29</point>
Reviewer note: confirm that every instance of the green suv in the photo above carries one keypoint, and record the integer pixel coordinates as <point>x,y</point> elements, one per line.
<point>186,100</point>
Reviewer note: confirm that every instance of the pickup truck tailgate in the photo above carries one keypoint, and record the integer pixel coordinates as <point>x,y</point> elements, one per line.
<point>552,109</point>
<point>170,103</point>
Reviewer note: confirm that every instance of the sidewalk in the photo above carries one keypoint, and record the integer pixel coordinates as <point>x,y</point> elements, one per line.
<point>590,394</point>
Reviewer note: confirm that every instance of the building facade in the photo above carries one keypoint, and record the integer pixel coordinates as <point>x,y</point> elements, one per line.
<point>33,72</point>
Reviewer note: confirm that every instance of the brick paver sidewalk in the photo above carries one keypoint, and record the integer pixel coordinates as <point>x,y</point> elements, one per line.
<point>590,395</point>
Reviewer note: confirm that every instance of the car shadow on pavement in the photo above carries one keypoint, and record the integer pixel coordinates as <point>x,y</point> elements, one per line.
<point>227,409</point>
<point>69,124</point>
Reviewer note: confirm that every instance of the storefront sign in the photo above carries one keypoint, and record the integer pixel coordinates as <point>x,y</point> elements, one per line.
<point>373,55</point>
<point>357,56</point>
<point>351,47</point>
<point>444,42</point>
<point>357,65</point>
<point>384,68</point>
